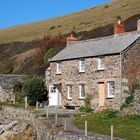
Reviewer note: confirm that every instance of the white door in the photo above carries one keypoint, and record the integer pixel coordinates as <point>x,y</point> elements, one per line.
<point>53,96</point>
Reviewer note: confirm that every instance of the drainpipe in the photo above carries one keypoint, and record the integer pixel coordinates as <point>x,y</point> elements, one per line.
<point>121,94</point>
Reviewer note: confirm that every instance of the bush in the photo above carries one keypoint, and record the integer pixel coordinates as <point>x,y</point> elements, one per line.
<point>134,86</point>
<point>110,113</point>
<point>7,69</point>
<point>52,27</point>
<point>35,90</point>
<point>17,86</point>
<point>87,105</point>
<point>49,54</point>
<point>85,109</point>
<point>128,101</point>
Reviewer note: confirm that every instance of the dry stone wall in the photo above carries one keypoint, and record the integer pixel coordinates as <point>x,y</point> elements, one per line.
<point>11,114</point>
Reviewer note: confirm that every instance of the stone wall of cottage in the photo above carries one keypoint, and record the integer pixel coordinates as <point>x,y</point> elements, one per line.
<point>131,63</point>
<point>91,77</point>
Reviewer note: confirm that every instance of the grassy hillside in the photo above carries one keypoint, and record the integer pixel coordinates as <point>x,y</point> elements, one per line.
<point>82,21</point>
<point>22,48</point>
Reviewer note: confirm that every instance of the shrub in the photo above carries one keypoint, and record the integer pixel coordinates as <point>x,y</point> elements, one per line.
<point>106,6</point>
<point>17,86</point>
<point>129,99</point>
<point>49,54</point>
<point>134,86</point>
<point>35,90</point>
<point>52,27</point>
<point>87,102</point>
<point>110,113</point>
<point>85,109</point>
<point>87,105</point>
<point>7,69</point>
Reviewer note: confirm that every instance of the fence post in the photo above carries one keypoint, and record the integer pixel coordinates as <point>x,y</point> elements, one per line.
<point>65,125</point>
<point>85,128</point>
<point>111,132</point>
<point>36,105</point>
<point>47,113</point>
<point>55,119</point>
<point>26,102</point>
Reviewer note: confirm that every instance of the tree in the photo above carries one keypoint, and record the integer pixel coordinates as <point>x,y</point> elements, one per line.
<point>17,86</point>
<point>35,90</point>
<point>49,54</point>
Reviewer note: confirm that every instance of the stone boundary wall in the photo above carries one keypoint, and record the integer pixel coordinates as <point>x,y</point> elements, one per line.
<point>11,113</point>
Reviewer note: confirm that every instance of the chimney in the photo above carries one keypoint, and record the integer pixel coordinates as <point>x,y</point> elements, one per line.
<point>71,38</point>
<point>138,25</point>
<point>119,27</point>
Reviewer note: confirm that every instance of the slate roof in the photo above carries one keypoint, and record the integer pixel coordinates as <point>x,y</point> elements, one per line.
<point>97,47</point>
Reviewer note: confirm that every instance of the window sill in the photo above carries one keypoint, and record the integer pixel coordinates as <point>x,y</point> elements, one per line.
<point>100,69</point>
<point>81,72</point>
<point>110,98</point>
<point>69,99</point>
<point>58,73</point>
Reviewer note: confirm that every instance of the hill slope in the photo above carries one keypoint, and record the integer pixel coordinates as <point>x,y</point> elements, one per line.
<point>82,21</point>
<point>21,46</point>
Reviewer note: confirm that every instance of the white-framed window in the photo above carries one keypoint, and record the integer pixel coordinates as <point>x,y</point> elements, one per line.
<point>69,91</point>
<point>101,63</point>
<point>82,91</point>
<point>52,89</point>
<point>82,65</point>
<point>111,89</point>
<point>58,68</point>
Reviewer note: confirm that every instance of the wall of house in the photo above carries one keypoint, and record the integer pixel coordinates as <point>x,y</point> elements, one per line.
<point>131,63</point>
<point>92,76</point>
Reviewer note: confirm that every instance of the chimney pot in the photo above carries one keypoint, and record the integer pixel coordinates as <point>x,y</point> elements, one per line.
<point>119,27</point>
<point>71,38</point>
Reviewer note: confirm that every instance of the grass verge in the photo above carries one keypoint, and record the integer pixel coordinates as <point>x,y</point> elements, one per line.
<point>124,127</point>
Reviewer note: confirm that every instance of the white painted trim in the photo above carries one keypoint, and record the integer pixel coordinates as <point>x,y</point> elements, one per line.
<point>81,67</point>
<point>99,63</point>
<point>58,66</point>
<point>80,89</point>
<point>108,86</point>
<point>68,91</point>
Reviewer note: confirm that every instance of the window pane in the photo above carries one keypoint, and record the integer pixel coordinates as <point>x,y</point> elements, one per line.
<point>59,68</point>
<point>69,91</point>
<point>82,65</point>
<point>111,89</point>
<point>101,64</point>
<point>82,91</point>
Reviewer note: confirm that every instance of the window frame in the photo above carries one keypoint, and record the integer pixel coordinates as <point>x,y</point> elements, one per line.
<point>100,67</point>
<point>58,68</point>
<point>82,65</point>
<point>80,91</point>
<point>69,90</point>
<point>108,89</point>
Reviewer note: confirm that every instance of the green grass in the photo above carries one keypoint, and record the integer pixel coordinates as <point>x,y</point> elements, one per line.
<point>124,127</point>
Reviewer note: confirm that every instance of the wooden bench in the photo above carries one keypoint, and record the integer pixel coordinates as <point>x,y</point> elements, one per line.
<point>72,107</point>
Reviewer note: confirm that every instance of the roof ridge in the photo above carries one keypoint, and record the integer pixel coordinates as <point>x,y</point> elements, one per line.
<point>105,37</point>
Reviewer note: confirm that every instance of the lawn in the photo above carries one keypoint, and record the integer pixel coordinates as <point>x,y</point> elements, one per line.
<point>124,127</point>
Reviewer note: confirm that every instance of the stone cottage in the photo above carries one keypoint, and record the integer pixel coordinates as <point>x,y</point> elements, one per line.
<point>100,68</point>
